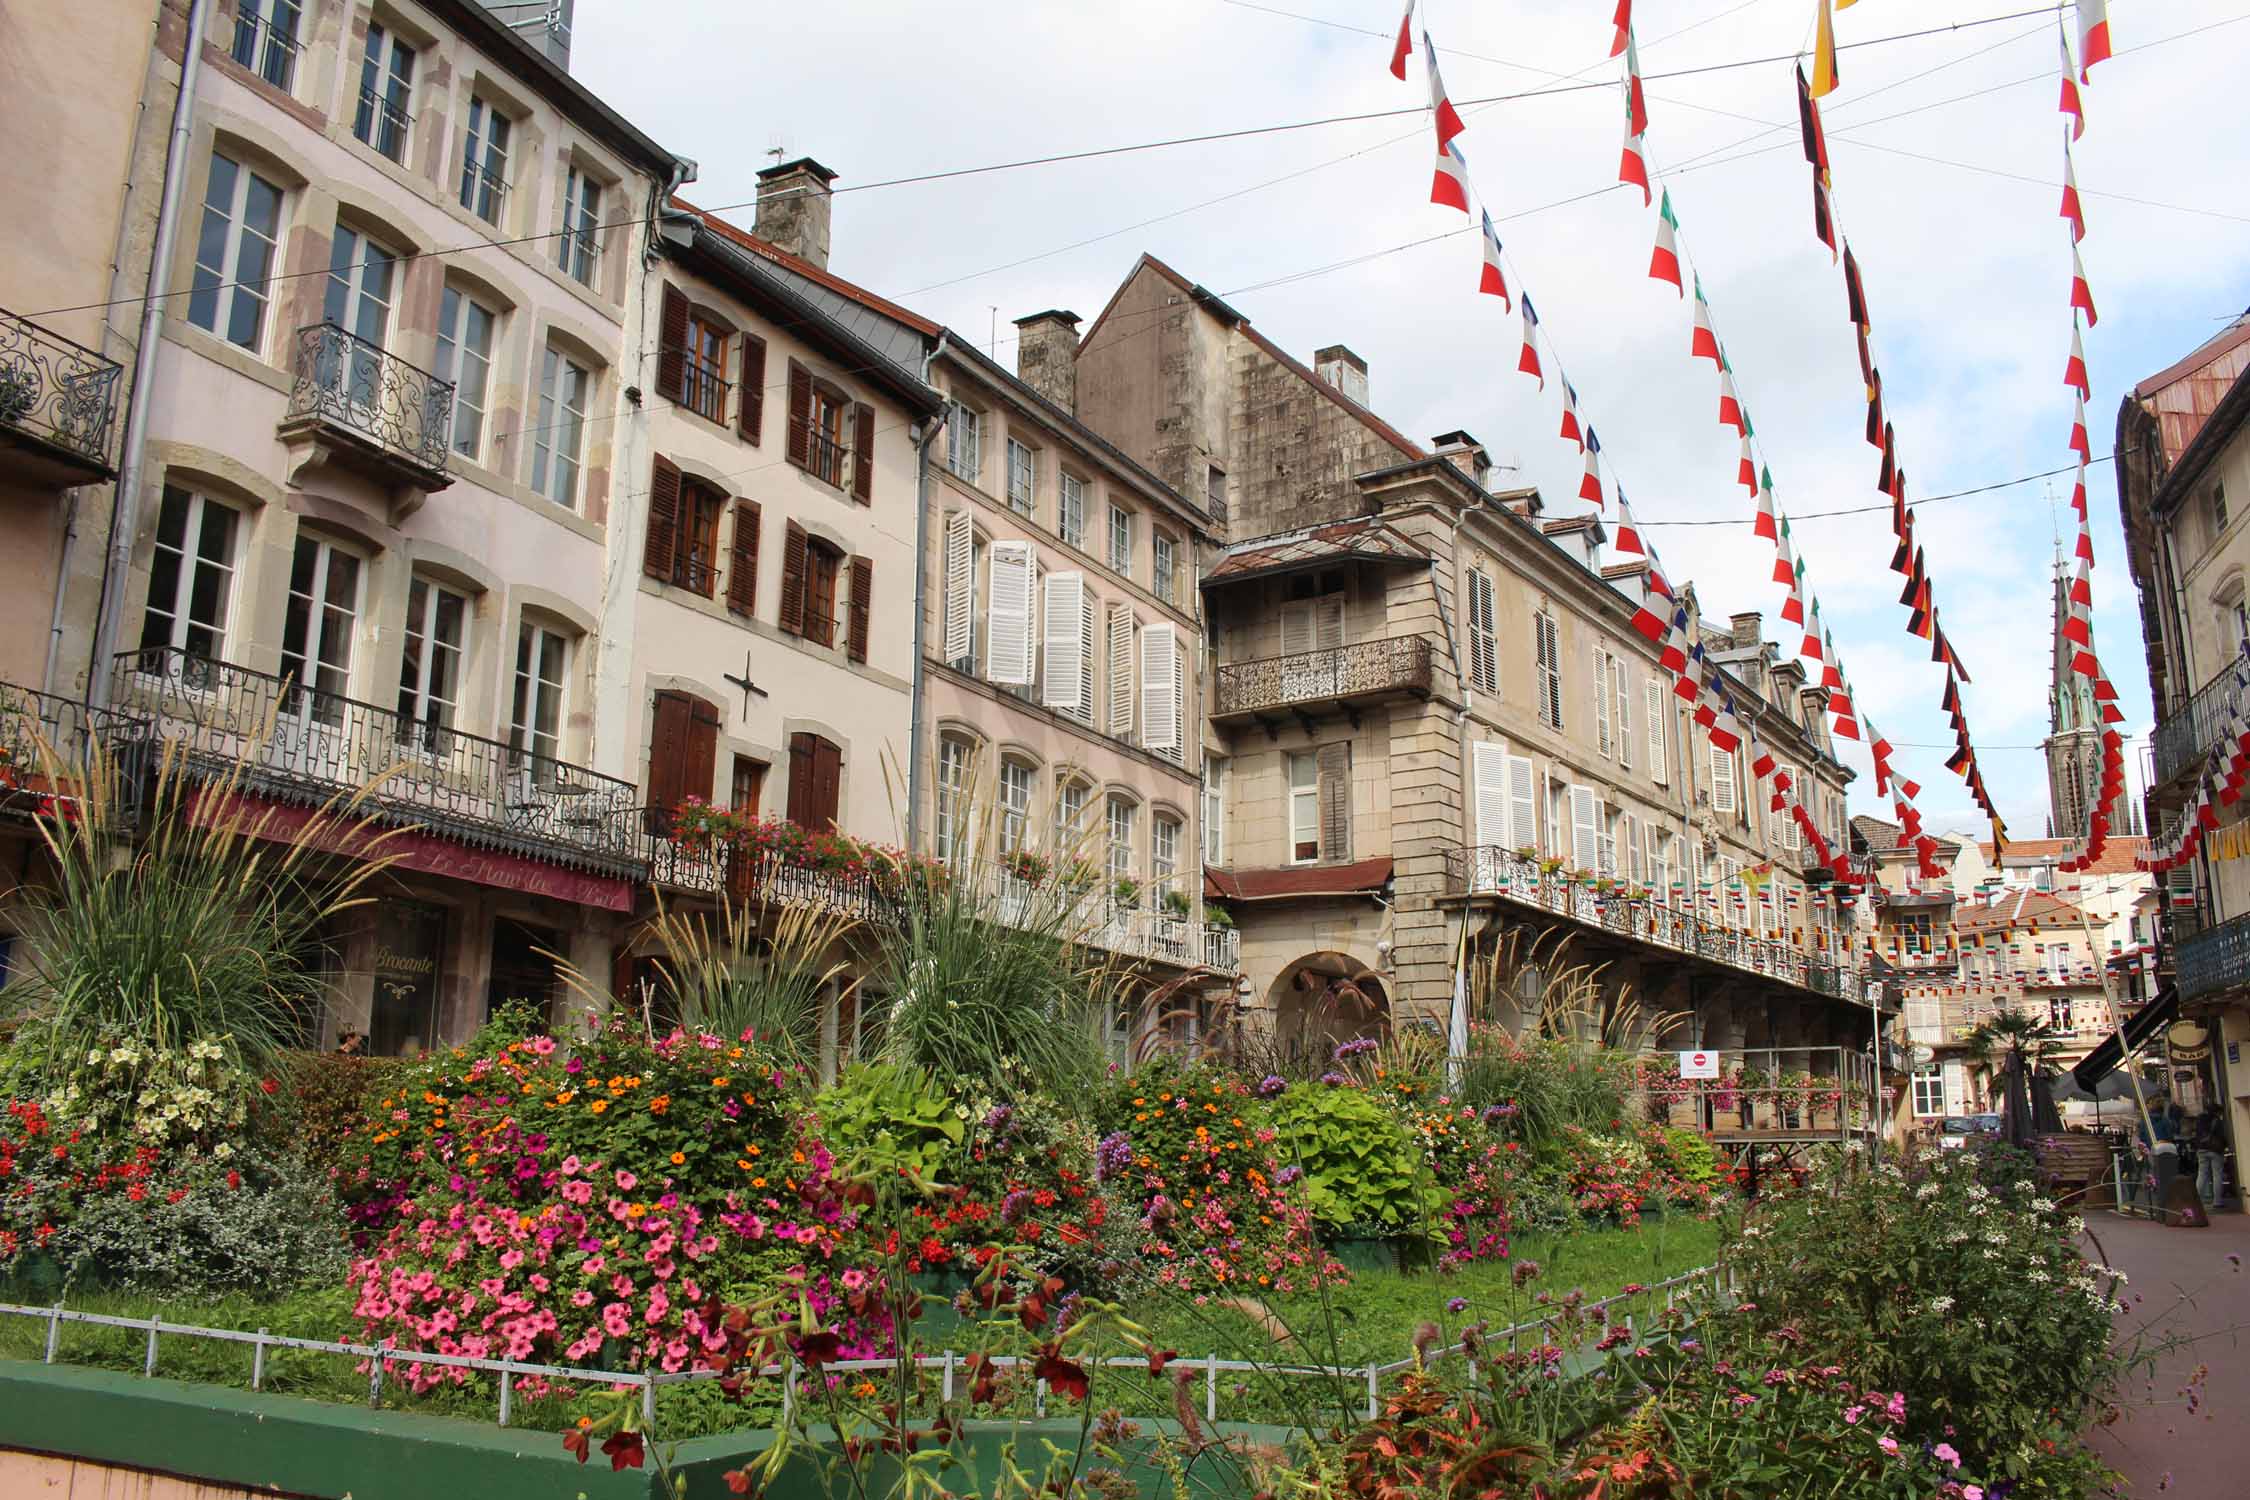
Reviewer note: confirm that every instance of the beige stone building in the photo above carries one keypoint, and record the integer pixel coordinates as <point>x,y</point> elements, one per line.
<point>1427,706</point>
<point>2183,488</point>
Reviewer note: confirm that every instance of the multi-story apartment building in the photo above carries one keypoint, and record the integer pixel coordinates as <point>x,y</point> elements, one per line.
<point>2183,488</point>
<point>1432,708</point>
<point>367,515</point>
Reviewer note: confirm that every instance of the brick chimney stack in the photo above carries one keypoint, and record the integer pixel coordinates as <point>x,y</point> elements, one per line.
<point>793,204</point>
<point>1047,356</point>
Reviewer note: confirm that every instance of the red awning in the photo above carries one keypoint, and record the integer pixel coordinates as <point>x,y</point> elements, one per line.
<point>1297,880</point>
<point>413,849</point>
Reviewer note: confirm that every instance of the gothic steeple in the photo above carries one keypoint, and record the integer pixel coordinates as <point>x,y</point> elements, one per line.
<point>2074,731</point>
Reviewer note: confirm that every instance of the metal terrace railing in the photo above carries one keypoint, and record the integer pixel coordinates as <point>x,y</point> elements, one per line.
<point>1363,669</point>
<point>57,392</point>
<point>361,388</point>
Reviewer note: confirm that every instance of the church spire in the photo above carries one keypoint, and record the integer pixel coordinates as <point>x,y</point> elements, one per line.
<point>2074,729</point>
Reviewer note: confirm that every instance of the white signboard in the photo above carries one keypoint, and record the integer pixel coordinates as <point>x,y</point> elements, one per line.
<point>1699,1065</point>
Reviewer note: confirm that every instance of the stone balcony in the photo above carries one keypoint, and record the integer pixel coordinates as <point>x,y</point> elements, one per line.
<point>1341,679</point>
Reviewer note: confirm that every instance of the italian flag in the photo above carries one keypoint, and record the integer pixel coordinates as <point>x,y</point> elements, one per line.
<point>1705,344</point>
<point>2093,36</point>
<point>1664,262</point>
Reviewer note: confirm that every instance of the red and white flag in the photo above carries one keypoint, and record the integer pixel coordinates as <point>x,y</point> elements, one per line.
<point>1405,43</point>
<point>2072,105</point>
<point>1590,487</point>
<point>2093,36</point>
<point>2081,290</point>
<point>1768,523</point>
<point>1572,429</point>
<point>1494,277</point>
<point>2072,209</point>
<point>2078,441</point>
<point>1664,262</point>
<point>1704,344</point>
<point>1625,536</point>
<point>1632,164</point>
<point>1528,361</point>
<point>1730,405</point>
<point>1448,119</point>
<point>1450,185</point>
<point>1746,471</point>
<point>2074,369</point>
<point>1624,23</point>
<point>1636,101</point>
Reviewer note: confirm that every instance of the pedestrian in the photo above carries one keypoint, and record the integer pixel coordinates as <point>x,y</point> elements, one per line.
<point>2210,1155</point>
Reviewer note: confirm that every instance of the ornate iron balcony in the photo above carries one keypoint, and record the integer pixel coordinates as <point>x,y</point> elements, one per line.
<point>58,401</point>
<point>2186,735</point>
<point>1630,911</point>
<point>43,736</point>
<point>2214,959</point>
<point>1357,672</point>
<point>303,746</point>
<point>364,392</point>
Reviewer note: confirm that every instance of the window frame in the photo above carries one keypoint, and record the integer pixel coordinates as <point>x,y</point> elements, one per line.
<point>457,308</point>
<point>826,447</point>
<point>422,647</point>
<point>1164,572</point>
<point>695,548</point>
<point>484,190</point>
<point>1300,798</point>
<point>187,572</point>
<point>1119,552</point>
<point>703,366</point>
<point>578,249</point>
<point>228,284</point>
<point>256,19</point>
<point>1013,802</point>
<point>1022,477</point>
<point>1120,855</point>
<point>1547,651</point>
<point>531,689</point>
<point>1215,770</point>
<point>825,564</point>
<point>964,440</point>
<point>955,769</point>
<point>548,459</point>
<point>394,104</point>
<point>317,698</point>
<point>1163,863</point>
<point>1070,510</point>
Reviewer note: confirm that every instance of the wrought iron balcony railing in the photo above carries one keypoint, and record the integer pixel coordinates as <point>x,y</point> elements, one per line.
<point>2187,734</point>
<point>60,394</point>
<point>45,741</point>
<point>299,745</point>
<point>350,384</point>
<point>1364,669</point>
<point>2214,959</point>
<point>1705,930</point>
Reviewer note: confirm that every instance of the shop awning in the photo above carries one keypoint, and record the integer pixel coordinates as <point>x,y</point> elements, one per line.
<point>2139,1027</point>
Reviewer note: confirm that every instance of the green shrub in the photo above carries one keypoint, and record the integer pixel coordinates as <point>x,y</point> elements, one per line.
<point>1687,1156</point>
<point>1362,1171</point>
<point>885,1118</point>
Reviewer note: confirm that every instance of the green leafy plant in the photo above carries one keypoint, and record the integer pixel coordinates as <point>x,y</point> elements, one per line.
<point>724,975</point>
<point>885,1118</point>
<point>1363,1173</point>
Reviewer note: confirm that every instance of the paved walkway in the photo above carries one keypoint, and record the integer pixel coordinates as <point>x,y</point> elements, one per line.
<point>2204,1454</point>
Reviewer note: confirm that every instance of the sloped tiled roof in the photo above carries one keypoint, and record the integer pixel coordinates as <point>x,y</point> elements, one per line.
<point>1297,880</point>
<point>2117,858</point>
<point>807,269</point>
<point>1368,537</point>
<point>2017,909</point>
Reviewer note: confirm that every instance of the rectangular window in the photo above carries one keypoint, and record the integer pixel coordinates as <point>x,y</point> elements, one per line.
<point>1121,542</point>
<point>964,440</point>
<point>1070,817</point>
<point>1723,797</point>
<point>464,356</point>
<point>703,371</point>
<point>748,784</point>
<point>1123,817</point>
<point>1484,632</point>
<point>952,797</point>
<point>1623,712</point>
<point>1015,805</point>
<point>317,627</point>
<point>1547,646</point>
<point>484,160</point>
<point>361,278</point>
<point>234,253</point>
<point>579,247</point>
<point>826,435</point>
<point>1164,551</point>
<point>265,40</point>
<point>695,558</point>
<point>536,715</point>
<point>1071,522</point>
<point>1304,808</point>
<point>1215,492</point>
<point>190,578</point>
<point>1163,856</point>
<point>1604,742</point>
<point>386,93</point>
<point>1214,809</point>
<point>1929,1092</point>
<point>1653,692</point>
<point>563,390</point>
<point>429,675</point>
<point>1023,477</point>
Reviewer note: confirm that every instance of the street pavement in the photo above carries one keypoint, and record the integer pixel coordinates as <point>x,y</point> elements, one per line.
<point>2184,1430</point>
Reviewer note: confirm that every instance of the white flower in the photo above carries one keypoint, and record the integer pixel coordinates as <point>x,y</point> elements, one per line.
<point>2043,1205</point>
<point>222,1151</point>
<point>1941,1304</point>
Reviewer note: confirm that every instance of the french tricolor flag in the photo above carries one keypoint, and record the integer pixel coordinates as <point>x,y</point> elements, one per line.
<point>1450,185</point>
<point>1590,487</point>
<point>1528,361</point>
<point>1494,278</point>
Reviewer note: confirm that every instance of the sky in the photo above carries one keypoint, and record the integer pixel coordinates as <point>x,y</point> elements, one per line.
<point>1947,165</point>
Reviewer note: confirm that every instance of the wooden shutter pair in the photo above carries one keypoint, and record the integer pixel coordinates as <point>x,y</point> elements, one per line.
<point>752,418</point>
<point>816,775</point>
<point>663,540</point>
<point>1335,796</point>
<point>683,754</point>
<point>742,565</point>
<point>671,345</point>
<point>800,607</point>
<point>863,453</point>
<point>800,447</point>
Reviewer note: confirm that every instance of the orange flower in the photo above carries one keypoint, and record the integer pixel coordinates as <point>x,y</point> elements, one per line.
<point>679,1158</point>
<point>659,1104</point>
<point>599,1105</point>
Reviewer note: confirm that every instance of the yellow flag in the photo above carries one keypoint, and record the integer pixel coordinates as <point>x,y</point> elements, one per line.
<point>1824,79</point>
<point>1846,4</point>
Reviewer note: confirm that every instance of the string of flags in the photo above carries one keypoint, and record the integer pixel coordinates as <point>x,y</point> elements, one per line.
<point>1909,559</point>
<point>2225,774</point>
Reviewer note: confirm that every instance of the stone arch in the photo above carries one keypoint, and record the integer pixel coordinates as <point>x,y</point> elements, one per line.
<point>1325,998</point>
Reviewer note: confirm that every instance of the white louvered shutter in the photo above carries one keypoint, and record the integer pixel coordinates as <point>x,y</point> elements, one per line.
<point>1523,803</point>
<point>1011,592</point>
<point>1785,827</point>
<point>1489,777</point>
<point>1484,634</point>
<point>1624,726</point>
<point>1328,622</point>
<point>1653,701</point>
<point>1605,841</point>
<point>1722,780</point>
<point>1629,850</point>
<point>1160,688</point>
<point>1602,740</point>
<point>1084,708</point>
<point>1062,624</point>
<point>1296,629</point>
<point>1120,655</point>
<point>960,584</point>
<point>1585,834</point>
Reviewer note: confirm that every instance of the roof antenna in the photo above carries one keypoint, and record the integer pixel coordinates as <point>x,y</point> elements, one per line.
<point>992,339</point>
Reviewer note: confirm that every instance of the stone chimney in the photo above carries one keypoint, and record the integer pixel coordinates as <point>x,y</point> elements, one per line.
<point>793,203</point>
<point>1745,628</point>
<point>1344,370</point>
<point>1467,454</point>
<point>547,28</point>
<point>1047,356</point>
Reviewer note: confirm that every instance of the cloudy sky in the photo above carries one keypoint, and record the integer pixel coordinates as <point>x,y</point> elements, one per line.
<point>1947,158</point>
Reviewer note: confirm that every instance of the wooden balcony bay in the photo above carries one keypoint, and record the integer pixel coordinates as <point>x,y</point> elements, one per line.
<point>1339,678</point>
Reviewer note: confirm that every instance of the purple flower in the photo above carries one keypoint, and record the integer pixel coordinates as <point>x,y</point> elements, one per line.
<point>1288,1175</point>
<point>1457,1304</point>
<point>1270,1085</point>
<point>1355,1047</point>
<point>1333,1078</point>
<point>1113,1156</point>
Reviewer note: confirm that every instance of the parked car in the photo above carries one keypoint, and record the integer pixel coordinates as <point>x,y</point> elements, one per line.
<point>1955,1131</point>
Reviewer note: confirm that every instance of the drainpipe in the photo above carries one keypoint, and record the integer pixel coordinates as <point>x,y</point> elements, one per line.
<point>124,510</point>
<point>931,427</point>
<point>62,593</point>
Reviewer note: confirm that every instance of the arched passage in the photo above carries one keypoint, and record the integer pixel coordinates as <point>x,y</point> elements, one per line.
<point>1324,999</point>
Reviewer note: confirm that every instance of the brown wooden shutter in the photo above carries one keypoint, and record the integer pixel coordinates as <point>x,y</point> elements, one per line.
<point>671,345</point>
<point>863,595</point>
<point>863,453</point>
<point>667,764</point>
<point>753,419</point>
<point>663,519</point>
<point>793,579</point>
<point>1335,766</point>
<point>699,757</point>
<point>828,781</point>
<point>742,568</point>
<point>801,778</point>
<point>800,416</point>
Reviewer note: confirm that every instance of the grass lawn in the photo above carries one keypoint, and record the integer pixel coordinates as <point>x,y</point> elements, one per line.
<point>1369,1321</point>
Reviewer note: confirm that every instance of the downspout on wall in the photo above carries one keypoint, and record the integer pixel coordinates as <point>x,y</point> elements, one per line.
<point>914,731</point>
<point>124,514</point>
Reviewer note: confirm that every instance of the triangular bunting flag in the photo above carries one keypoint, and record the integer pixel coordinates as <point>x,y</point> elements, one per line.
<point>1404,44</point>
<point>1493,278</point>
<point>1705,342</point>
<point>2071,105</point>
<point>1441,108</point>
<point>1664,261</point>
<point>1590,487</point>
<point>1824,74</point>
<point>1767,523</point>
<point>1528,361</point>
<point>2081,292</point>
<point>2093,36</point>
<point>1450,185</point>
<point>2072,209</point>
